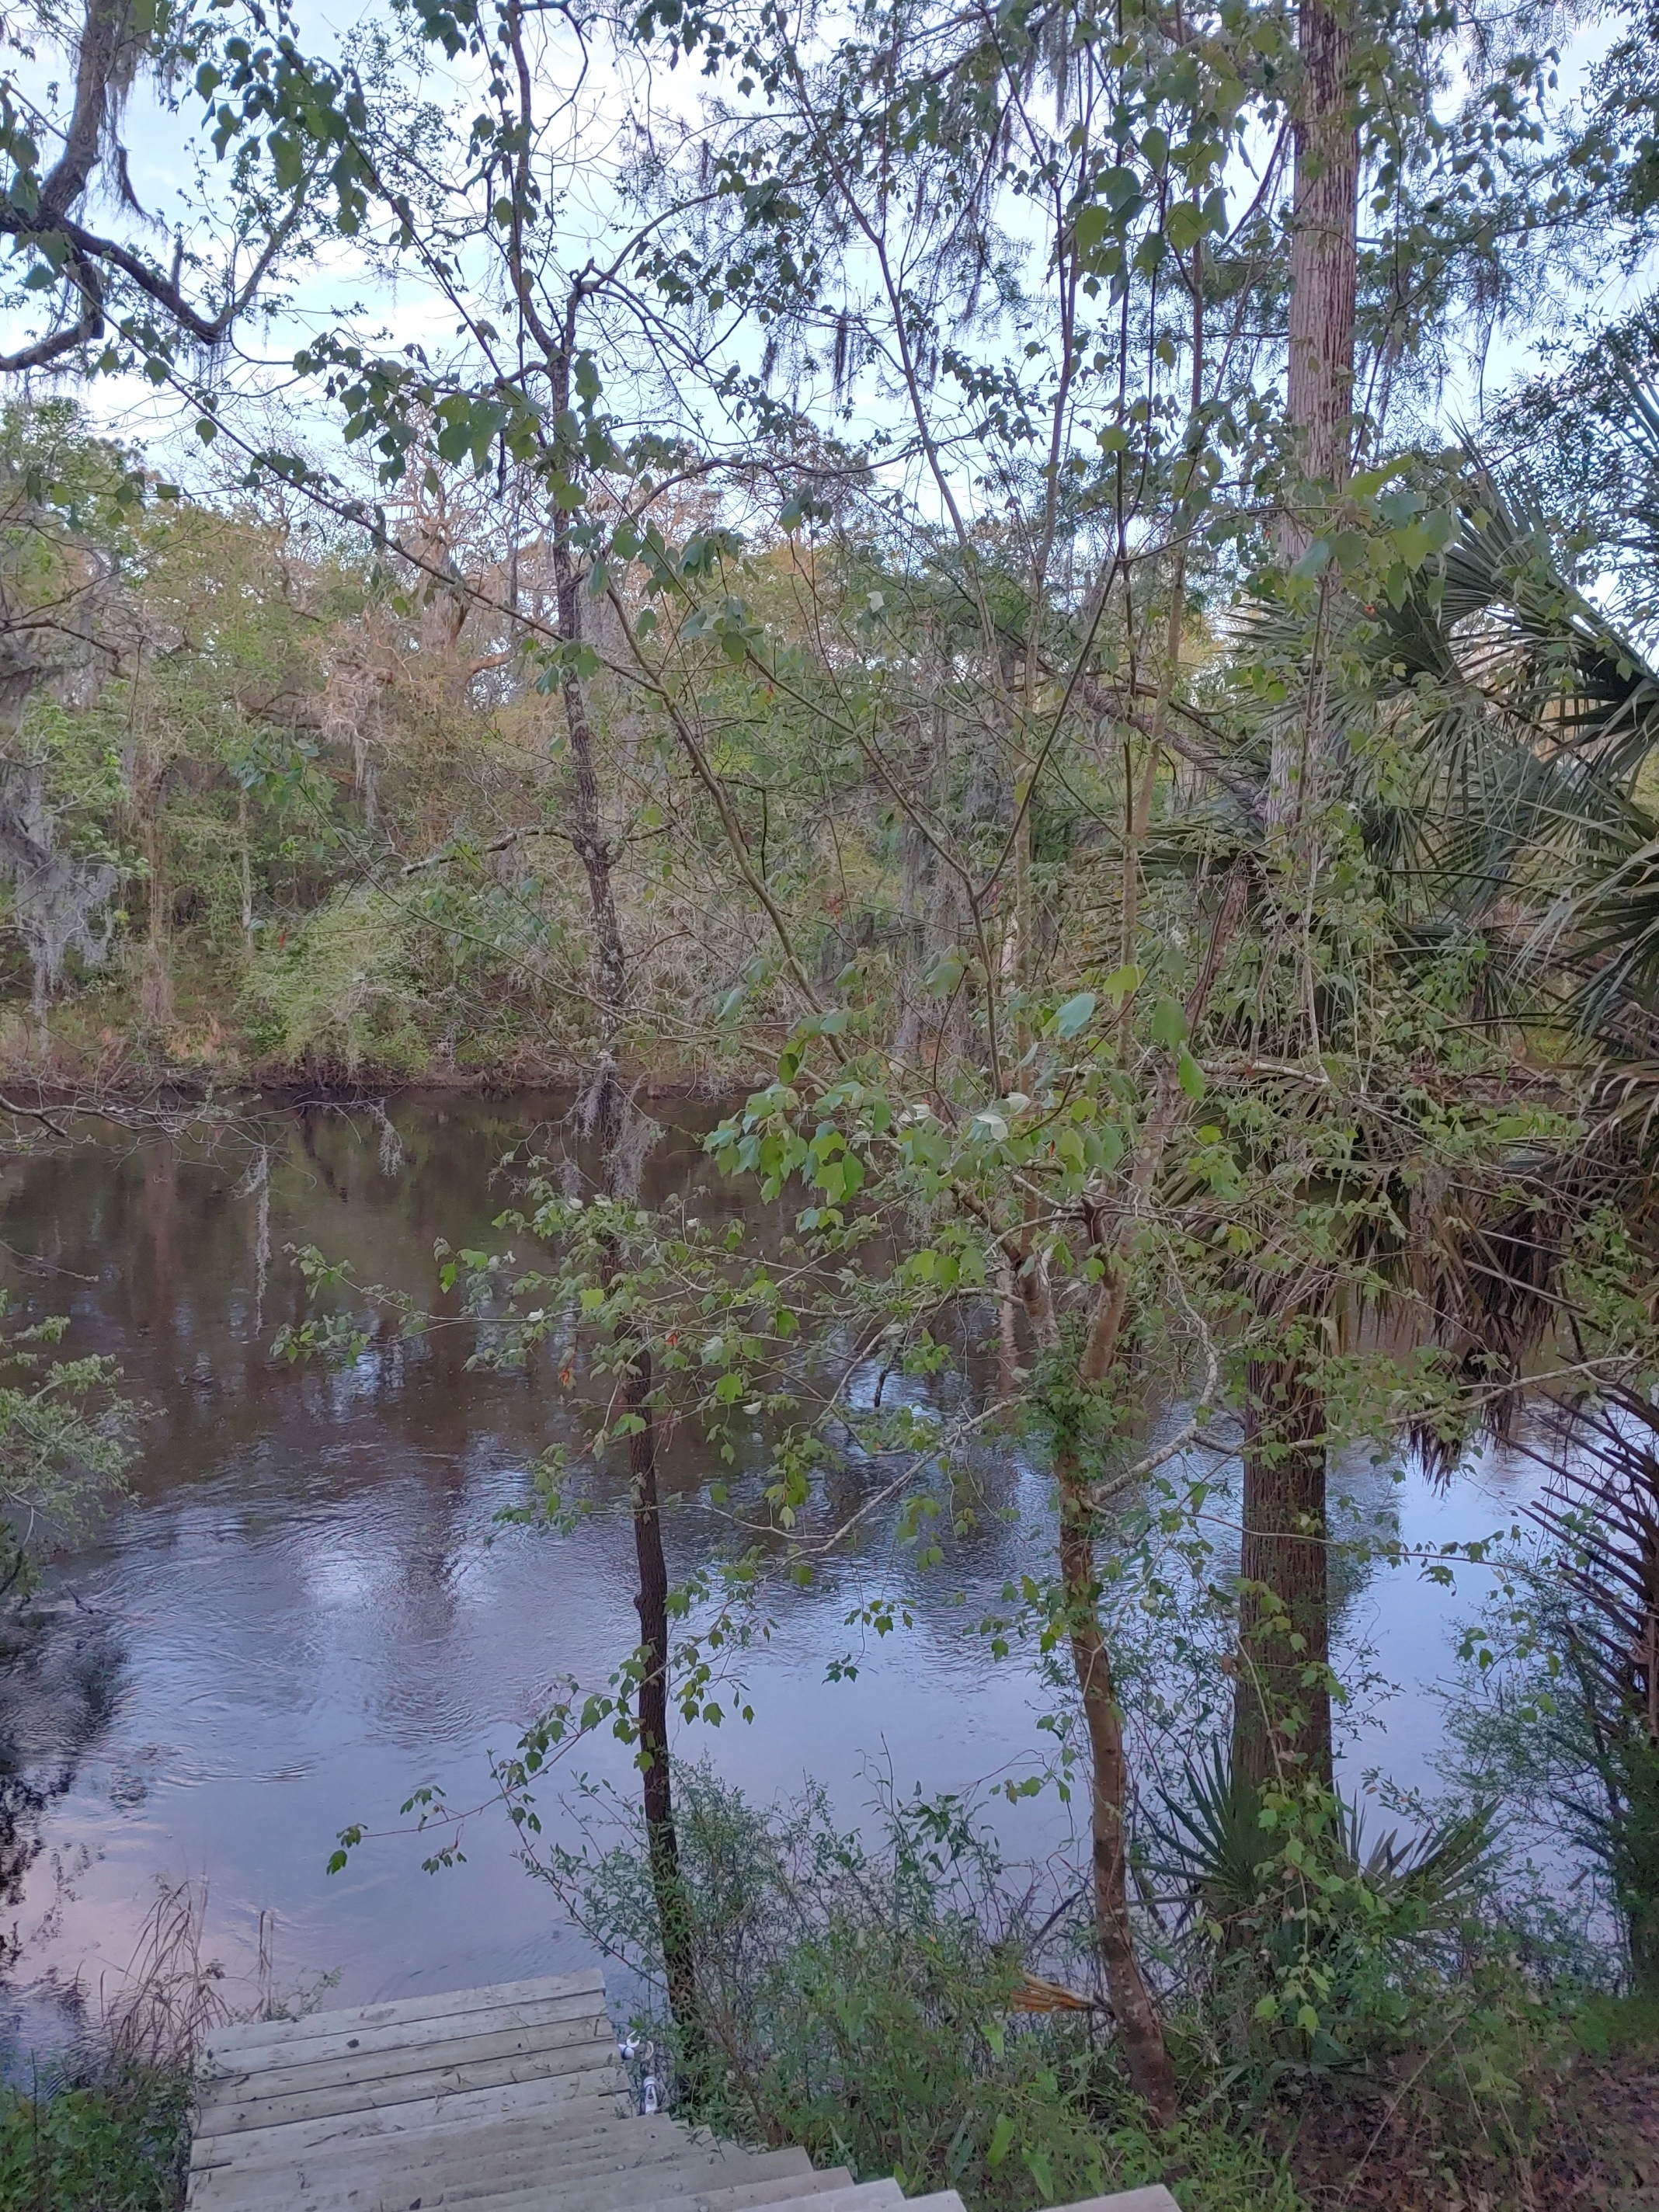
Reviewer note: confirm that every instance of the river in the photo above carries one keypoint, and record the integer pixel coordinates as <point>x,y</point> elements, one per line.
<point>306,1607</point>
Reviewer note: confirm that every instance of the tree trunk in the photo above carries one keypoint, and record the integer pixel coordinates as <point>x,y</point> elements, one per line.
<point>1324,252</point>
<point>155,988</point>
<point>605,1116</point>
<point>1281,1697</point>
<point>1324,268</point>
<point>1138,2024</point>
<point>651,1712</point>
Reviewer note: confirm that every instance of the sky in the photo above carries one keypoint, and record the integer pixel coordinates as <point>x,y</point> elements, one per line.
<point>177,180</point>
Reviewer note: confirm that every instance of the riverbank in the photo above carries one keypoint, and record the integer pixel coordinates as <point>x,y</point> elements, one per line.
<point>113,2135</point>
<point>65,1065</point>
<point>72,1055</point>
<point>1588,2142</point>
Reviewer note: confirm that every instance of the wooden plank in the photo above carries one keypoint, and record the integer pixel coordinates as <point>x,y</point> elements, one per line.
<point>855,2197</point>
<point>455,2108</point>
<point>1155,2199</point>
<point>312,2186</point>
<point>576,2125</point>
<point>575,2134</point>
<point>668,2189</point>
<point>584,2063</point>
<point>580,2139</point>
<point>782,2191</point>
<point>247,2035</point>
<point>464,2153</point>
<point>307,2186</point>
<point>564,2045</point>
<point>681,2186</point>
<point>574,2012</point>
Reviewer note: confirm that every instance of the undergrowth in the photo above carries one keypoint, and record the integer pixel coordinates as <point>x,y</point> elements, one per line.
<point>105,2126</point>
<point>119,2142</point>
<point>872,2001</point>
<point>865,2000</point>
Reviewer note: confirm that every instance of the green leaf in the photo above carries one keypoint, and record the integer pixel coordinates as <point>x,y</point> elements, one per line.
<point>1002,2136</point>
<point>1314,562</point>
<point>1190,1076</point>
<point>1074,1015</point>
<point>1184,225</point>
<point>1102,1147</point>
<point>288,160</point>
<point>1169,1024</point>
<point>1040,2169</point>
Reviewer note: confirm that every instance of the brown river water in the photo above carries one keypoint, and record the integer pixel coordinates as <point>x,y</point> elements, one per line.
<point>307,1606</point>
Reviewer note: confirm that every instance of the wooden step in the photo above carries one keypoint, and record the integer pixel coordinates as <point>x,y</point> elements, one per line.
<point>273,2095</point>
<point>577,2134</point>
<point>1156,2198</point>
<point>444,2153</point>
<point>858,2196</point>
<point>704,2188</point>
<point>688,2182</point>
<point>333,2037</point>
<point>242,2037</point>
<point>575,2131</point>
<point>472,2158</point>
<point>596,2093</point>
<point>769,2181</point>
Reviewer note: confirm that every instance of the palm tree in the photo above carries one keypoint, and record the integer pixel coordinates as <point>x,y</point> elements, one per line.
<point>1497,727</point>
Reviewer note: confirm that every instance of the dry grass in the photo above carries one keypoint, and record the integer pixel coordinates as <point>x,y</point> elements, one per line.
<point>170,1994</point>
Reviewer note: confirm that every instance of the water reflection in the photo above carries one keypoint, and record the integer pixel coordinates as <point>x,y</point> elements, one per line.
<point>308,1607</point>
<point>315,1608</point>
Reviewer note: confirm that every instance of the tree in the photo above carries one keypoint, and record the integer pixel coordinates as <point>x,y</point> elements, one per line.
<point>103,289</point>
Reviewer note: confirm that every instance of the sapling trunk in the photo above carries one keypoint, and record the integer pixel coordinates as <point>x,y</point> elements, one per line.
<point>1139,2029</point>
<point>651,1711</point>
<point>606,1116</point>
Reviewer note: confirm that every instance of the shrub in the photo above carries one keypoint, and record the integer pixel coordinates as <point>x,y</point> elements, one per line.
<point>119,2143</point>
<point>865,2000</point>
<point>339,994</point>
<point>107,2128</point>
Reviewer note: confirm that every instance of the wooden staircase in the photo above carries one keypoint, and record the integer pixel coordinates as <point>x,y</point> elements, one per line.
<point>509,2098</point>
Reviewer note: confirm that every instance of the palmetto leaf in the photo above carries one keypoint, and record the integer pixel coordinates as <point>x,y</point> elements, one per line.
<point>1213,1840</point>
<point>1527,719</point>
